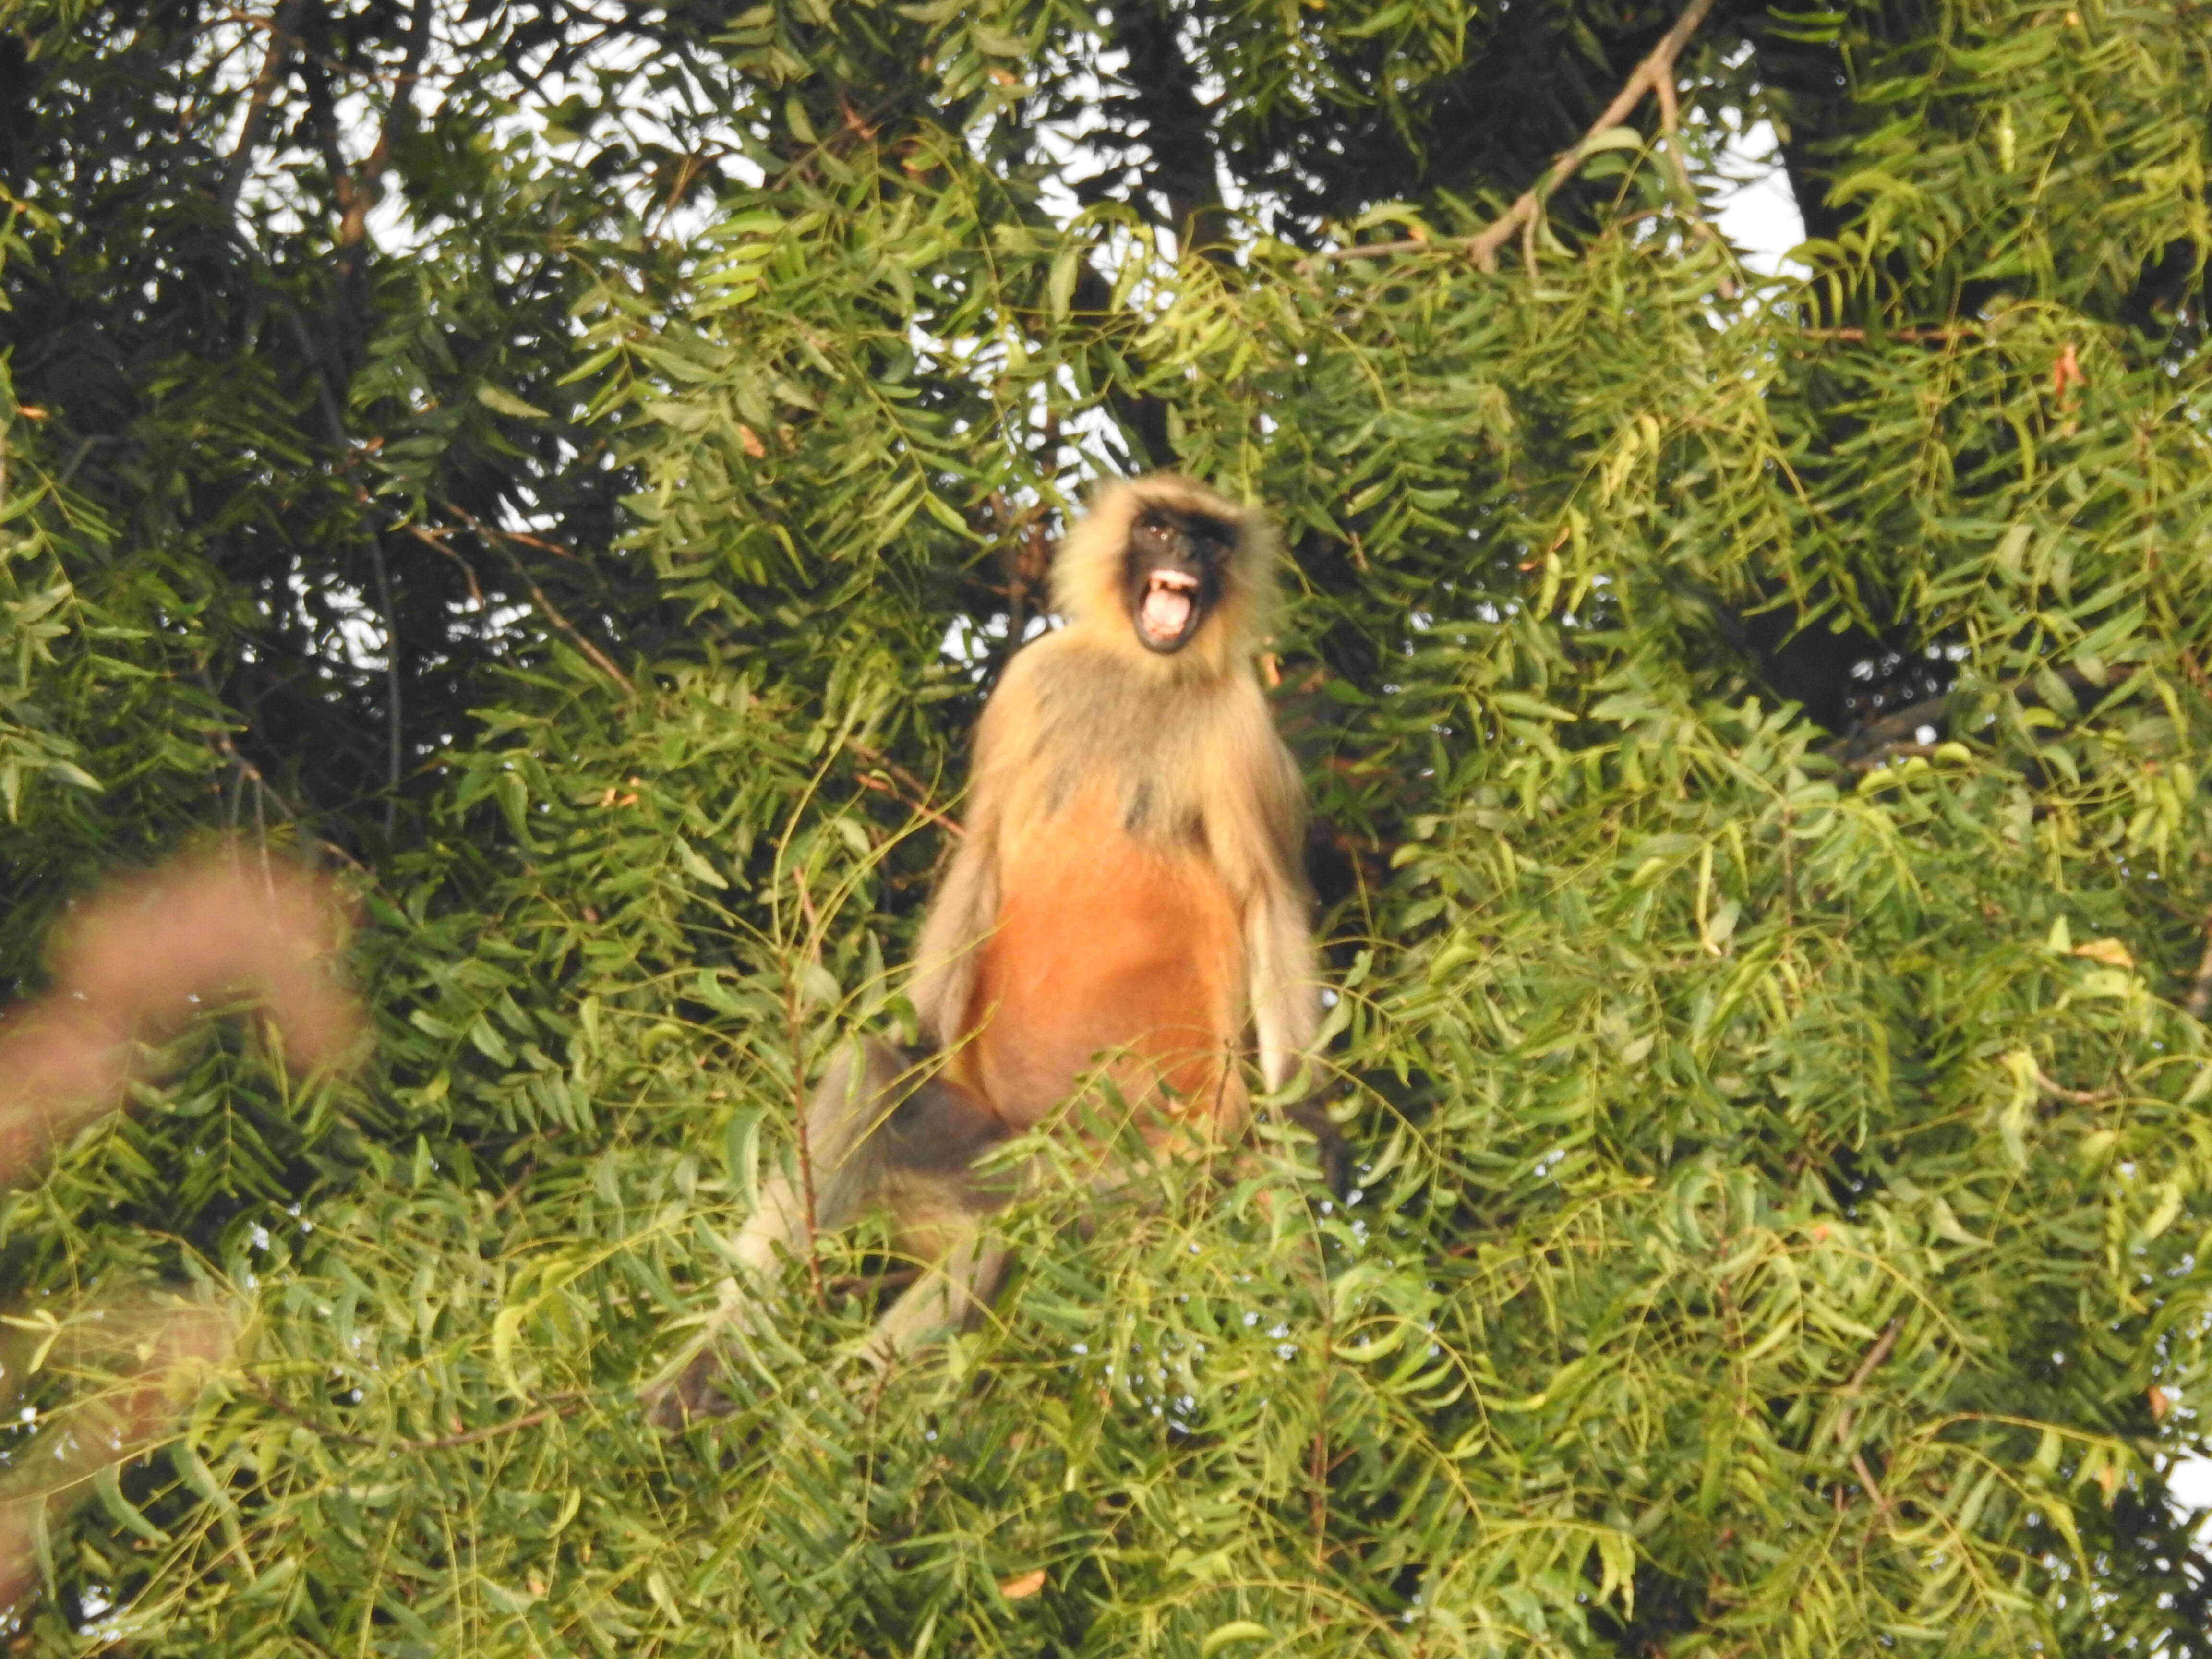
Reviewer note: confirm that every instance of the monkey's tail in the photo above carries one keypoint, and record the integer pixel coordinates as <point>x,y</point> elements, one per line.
<point>135,964</point>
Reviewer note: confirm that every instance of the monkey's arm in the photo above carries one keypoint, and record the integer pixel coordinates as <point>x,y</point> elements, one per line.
<point>965,908</point>
<point>1286,1002</point>
<point>963,911</point>
<point>1284,985</point>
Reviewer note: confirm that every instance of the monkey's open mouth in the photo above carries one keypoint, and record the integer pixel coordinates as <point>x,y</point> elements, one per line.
<point>1170,609</point>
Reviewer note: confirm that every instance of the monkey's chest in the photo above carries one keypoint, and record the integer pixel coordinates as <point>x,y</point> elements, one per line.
<point>1110,949</point>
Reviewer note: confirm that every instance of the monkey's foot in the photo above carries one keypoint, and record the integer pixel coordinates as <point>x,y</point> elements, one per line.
<point>692,1394</point>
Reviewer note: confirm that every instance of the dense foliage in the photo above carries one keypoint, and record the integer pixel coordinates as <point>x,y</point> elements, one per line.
<point>576,469</point>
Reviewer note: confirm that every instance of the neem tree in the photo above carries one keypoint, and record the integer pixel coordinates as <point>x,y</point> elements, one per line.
<point>578,469</point>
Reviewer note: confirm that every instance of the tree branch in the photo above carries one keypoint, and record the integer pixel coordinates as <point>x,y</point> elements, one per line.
<point>1877,740</point>
<point>364,188</point>
<point>500,539</point>
<point>1658,66</point>
<point>917,798</point>
<point>283,36</point>
<point>1164,89</point>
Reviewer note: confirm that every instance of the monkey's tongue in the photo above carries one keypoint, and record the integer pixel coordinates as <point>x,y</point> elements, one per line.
<point>1167,610</point>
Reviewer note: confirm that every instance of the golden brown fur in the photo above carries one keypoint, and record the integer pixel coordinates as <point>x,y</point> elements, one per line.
<point>135,963</point>
<point>1127,895</point>
<point>1086,576</point>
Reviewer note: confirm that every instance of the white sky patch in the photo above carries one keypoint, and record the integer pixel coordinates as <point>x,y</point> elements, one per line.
<point>2189,1481</point>
<point>1756,210</point>
<point>2192,1481</point>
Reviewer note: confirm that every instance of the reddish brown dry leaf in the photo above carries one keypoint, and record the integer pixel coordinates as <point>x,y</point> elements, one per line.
<point>2067,371</point>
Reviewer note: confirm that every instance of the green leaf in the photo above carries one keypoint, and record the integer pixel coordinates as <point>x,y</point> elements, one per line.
<point>503,402</point>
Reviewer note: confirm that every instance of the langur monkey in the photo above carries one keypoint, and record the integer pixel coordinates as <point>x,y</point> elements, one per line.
<point>1127,896</point>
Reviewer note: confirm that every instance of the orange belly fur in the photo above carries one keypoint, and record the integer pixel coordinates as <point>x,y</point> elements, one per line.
<point>1112,952</point>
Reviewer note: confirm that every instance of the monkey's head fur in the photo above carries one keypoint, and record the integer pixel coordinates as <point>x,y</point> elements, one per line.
<point>1165,573</point>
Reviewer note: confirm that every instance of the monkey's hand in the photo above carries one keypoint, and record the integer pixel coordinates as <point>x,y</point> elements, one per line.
<point>1331,1150</point>
<point>690,1389</point>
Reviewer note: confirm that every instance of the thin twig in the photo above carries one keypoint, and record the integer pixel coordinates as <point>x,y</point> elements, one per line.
<point>1867,1482</point>
<point>891,1279</point>
<point>1317,1458</point>
<point>599,658</point>
<point>1931,336</point>
<point>537,542</point>
<point>437,539</point>
<point>795,1029</point>
<point>1482,248</point>
<point>84,452</point>
<point>1872,744</point>
<point>2073,1097</point>
<point>916,796</point>
<point>500,538</point>
<point>563,1406</point>
<point>1875,1355</point>
<point>1669,121</point>
<point>393,711</point>
<point>245,768</point>
<point>326,397</point>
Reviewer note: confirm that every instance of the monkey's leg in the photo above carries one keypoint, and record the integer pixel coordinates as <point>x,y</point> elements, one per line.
<point>846,1160</point>
<point>879,1135</point>
<point>1331,1150</point>
<point>952,1291</point>
<point>941,1208</point>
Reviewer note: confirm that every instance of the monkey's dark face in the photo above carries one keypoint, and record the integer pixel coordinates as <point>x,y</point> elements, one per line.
<point>1172,575</point>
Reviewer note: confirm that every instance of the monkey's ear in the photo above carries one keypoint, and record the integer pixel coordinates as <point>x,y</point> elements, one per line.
<point>1086,576</point>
